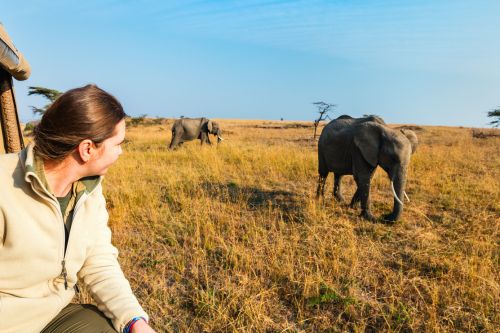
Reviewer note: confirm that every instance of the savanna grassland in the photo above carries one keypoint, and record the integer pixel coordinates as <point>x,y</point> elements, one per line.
<point>231,239</point>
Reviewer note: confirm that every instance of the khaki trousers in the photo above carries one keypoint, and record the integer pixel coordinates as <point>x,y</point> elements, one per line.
<point>80,318</point>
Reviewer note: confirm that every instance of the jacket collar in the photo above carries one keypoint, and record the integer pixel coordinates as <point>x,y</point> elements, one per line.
<point>34,173</point>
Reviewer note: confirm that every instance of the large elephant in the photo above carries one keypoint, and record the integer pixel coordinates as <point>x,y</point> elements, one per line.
<point>187,129</point>
<point>355,146</point>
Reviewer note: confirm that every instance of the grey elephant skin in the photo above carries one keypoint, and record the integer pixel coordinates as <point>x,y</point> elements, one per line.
<point>187,129</point>
<point>356,146</point>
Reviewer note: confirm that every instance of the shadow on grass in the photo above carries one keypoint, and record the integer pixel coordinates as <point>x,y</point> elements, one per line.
<point>286,202</point>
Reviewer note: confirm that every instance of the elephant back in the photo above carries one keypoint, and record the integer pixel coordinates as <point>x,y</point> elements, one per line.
<point>343,127</point>
<point>333,131</point>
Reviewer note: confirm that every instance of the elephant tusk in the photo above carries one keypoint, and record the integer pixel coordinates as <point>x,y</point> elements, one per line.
<point>406,196</point>
<point>395,195</point>
<point>220,138</point>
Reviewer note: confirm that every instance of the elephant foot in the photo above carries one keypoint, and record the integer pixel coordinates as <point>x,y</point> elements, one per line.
<point>368,216</point>
<point>389,218</point>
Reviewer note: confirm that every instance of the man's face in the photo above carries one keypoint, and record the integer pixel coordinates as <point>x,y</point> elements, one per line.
<point>108,151</point>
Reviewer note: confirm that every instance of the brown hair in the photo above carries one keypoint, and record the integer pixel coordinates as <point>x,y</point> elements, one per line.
<point>81,113</point>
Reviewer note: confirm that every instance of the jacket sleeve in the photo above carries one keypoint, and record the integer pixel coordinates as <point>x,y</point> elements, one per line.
<point>102,275</point>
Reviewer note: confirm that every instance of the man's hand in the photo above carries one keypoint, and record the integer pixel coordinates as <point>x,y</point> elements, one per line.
<point>142,327</point>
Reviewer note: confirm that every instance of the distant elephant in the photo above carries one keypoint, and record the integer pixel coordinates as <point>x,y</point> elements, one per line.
<point>187,129</point>
<point>355,146</point>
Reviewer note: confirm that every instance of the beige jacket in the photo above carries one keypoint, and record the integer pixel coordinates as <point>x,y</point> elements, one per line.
<point>32,254</point>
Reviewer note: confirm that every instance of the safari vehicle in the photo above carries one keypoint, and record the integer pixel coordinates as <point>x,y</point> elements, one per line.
<point>12,65</point>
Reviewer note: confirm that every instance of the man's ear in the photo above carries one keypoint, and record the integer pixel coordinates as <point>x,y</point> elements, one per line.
<point>85,150</point>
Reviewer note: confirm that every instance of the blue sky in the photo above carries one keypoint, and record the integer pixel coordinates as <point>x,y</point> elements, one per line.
<point>420,62</point>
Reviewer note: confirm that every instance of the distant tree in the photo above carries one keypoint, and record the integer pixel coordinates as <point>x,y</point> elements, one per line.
<point>323,110</point>
<point>495,114</point>
<point>50,94</point>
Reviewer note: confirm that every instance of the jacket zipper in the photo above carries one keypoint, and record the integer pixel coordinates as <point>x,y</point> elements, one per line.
<point>78,204</point>
<point>64,273</point>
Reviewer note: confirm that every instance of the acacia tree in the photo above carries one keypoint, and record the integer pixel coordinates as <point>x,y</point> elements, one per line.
<point>323,110</point>
<point>50,94</point>
<point>495,114</point>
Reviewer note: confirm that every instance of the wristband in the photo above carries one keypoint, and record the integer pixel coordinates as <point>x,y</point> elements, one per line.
<point>131,323</point>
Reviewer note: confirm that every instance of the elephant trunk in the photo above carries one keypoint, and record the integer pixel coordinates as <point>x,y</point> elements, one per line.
<point>219,135</point>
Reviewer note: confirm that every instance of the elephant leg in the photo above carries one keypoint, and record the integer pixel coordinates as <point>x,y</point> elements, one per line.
<point>363,194</point>
<point>176,141</point>
<point>204,138</point>
<point>363,173</point>
<point>320,191</point>
<point>337,187</point>
<point>355,199</point>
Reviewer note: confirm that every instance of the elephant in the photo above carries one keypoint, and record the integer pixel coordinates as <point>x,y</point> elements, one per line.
<point>187,129</point>
<point>356,146</point>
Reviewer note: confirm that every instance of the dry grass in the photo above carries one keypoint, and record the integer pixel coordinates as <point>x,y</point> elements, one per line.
<point>230,239</point>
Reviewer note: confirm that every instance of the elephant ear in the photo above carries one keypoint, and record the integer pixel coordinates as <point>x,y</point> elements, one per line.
<point>412,137</point>
<point>210,126</point>
<point>367,139</point>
